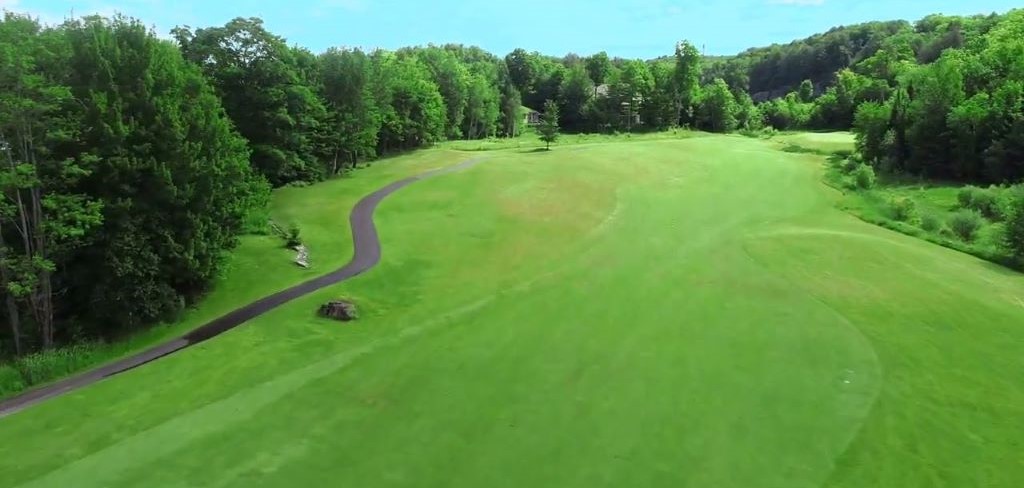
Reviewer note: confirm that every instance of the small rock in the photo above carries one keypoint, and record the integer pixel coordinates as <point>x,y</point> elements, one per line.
<point>339,310</point>
<point>303,258</point>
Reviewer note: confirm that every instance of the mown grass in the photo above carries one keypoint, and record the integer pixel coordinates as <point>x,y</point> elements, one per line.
<point>662,313</point>
<point>530,141</point>
<point>822,143</point>
<point>935,210</point>
<point>260,266</point>
<point>934,206</point>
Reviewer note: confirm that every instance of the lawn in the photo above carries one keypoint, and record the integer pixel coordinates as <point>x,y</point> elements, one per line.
<point>824,143</point>
<point>262,265</point>
<point>670,312</point>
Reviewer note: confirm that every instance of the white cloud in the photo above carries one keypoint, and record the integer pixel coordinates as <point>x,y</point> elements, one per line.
<point>8,4</point>
<point>796,2</point>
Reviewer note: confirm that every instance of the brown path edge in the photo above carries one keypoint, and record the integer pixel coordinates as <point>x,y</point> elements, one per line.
<point>366,254</point>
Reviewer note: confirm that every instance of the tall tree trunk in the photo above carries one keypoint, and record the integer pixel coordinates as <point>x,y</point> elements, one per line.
<point>46,308</point>
<point>13,317</point>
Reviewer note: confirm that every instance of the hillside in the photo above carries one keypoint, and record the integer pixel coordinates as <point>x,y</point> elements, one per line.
<point>773,71</point>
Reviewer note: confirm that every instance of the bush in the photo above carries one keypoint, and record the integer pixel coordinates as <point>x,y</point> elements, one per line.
<point>292,238</point>
<point>965,224</point>
<point>902,209</point>
<point>257,223</point>
<point>11,381</point>
<point>851,163</point>
<point>984,200</point>
<point>930,222</point>
<point>965,197</point>
<point>945,232</point>
<point>46,366</point>
<point>1013,235</point>
<point>863,177</point>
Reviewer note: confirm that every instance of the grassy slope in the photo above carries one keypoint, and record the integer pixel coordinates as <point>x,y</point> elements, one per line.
<point>661,313</point>
<point>931,198</point>
<point>261,265</point>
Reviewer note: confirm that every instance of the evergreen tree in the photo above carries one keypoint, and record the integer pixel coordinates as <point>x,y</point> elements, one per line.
<point>548,127</point>
<point>806,91</point>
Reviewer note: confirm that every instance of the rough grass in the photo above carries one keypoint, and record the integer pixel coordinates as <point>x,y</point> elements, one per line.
<point>938,205</point>
<point>662,313</point>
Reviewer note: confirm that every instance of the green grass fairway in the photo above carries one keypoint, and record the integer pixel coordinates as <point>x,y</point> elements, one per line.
<point>261,265</point>
<point>820,142</point>
<point>677,313</point>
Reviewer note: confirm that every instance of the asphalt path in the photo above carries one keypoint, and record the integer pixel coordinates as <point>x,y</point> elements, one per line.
<point>366,255</point>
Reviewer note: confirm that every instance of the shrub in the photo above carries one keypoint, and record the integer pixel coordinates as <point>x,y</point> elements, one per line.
<point>257,223</point>
<point>292,238</point>
<point>930,222</point>
<point>1014,233</point>
<point>864,177</point>
<point>965,224</point>
<point>902,209</point>
<point>48,365</point>
<point>11,381</point>
<point>945,232</point>
<point>851,163</point>
<point>965,197</point>
<point>984,200</point>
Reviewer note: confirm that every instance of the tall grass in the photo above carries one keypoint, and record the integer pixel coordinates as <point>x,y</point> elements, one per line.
<point>46,366</point>
<point>937,212</point>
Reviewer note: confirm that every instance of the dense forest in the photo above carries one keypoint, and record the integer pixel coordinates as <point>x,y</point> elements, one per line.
<point>131,163</point>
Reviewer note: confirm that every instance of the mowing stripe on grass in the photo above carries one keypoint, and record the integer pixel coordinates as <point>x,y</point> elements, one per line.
<point>366,255</point>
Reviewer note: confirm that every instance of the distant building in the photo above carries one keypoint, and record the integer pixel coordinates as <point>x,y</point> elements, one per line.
<point>531,117</point>
<point>630,116</point>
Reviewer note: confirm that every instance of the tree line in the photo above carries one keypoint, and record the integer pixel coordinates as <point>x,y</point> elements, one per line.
<point>940,98</point>
<point>131,164</point>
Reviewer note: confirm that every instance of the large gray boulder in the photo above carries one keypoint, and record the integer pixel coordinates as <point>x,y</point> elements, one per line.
<point>339,310</point>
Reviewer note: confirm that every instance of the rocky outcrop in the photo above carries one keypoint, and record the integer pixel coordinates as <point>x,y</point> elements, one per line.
<point>339,310</point>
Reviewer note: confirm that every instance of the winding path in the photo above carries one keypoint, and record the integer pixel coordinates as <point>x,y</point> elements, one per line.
<point>366,254</point>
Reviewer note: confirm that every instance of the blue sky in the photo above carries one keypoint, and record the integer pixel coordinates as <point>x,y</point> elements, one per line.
<point>634,29</point>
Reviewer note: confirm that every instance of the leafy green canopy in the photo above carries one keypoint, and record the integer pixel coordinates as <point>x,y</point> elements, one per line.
<point>125,168</point>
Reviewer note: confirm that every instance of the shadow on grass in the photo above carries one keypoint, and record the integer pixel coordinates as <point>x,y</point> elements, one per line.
<point>797,149</point>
